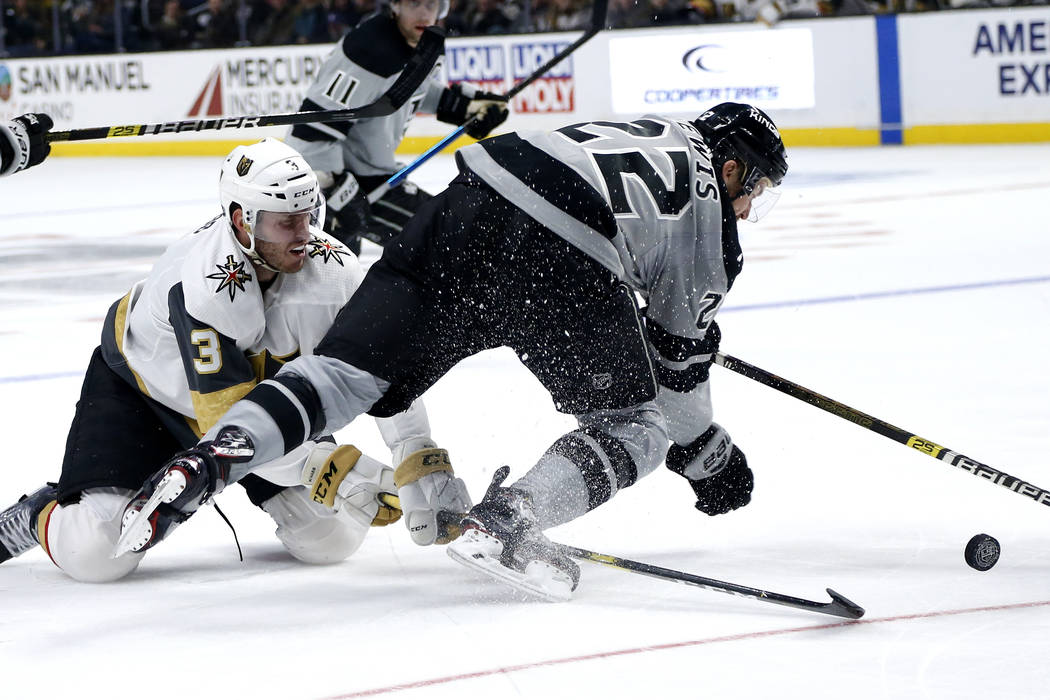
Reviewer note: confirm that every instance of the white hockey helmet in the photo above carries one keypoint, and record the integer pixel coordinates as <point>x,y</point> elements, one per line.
<point>268,176</point>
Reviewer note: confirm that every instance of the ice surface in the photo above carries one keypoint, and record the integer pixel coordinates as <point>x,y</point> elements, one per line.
<point>911,283</point>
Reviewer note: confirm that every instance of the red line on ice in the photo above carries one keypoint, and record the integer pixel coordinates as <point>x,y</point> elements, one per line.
<point>677,645</point>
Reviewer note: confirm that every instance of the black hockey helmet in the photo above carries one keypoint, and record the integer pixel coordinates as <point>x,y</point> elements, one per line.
<point>747,135</point>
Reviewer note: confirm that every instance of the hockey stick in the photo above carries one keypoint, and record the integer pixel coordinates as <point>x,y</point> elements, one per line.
<point>430,48</point>
<point>838,607</point>
<point>883,428</point>
<point>597,24</point>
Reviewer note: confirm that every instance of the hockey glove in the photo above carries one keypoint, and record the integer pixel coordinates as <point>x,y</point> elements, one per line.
<point>459,103</point>
<point>22,143</point>
<point>716,469</point>
<point>175,492</point>
<point>352,484</point>
<point>348,205</point>
<point>429,492</point>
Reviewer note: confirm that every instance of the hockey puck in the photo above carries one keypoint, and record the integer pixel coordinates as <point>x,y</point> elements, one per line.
<point>982,551</point>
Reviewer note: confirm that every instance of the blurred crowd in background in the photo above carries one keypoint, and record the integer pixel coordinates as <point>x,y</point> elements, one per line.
<point>50,27</point>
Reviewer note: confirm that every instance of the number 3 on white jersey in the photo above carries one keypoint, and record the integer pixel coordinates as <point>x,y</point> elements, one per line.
<point>210,354</point>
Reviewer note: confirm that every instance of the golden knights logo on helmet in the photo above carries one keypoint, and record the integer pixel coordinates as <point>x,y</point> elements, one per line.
<point>244,165</point>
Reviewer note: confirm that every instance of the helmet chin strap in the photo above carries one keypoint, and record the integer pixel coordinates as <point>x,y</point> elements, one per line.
<point>253,255</point>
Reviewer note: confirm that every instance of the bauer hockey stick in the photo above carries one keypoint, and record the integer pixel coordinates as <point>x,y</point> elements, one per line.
<point>597,24</point>
<point>430,48</point>
<point>927,447</point>
<point>838,607</point>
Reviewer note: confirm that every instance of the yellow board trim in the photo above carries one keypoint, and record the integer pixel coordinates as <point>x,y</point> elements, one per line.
<point>977,133</point>
<point>120,320</point>
<point>831,136</point>
<point>210,407</point>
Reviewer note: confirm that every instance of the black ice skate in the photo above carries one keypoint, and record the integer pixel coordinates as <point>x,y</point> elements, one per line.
<point>179,488</point>
<point>18,523</point>
<point>502,539</point>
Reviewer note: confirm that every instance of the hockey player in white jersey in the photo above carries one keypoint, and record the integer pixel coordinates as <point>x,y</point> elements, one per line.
<point>22,143</point>
<point>221,310</point>
<point>541,244</point>
<point>353,158</point>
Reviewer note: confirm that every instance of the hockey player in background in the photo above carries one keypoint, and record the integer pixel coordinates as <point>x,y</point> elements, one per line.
<point>353,158</point>
<point>22,143</point>
<point>540,244</point>
<point>222,309</point>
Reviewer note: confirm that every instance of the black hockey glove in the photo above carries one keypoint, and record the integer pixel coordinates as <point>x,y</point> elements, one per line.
<point>716,469</point>
<point>22,143</point>
<point>348,205</point>
<point>458,104</point>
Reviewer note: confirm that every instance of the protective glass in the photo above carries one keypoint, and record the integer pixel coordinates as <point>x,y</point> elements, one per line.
<point>763,194</point>
<point>285,227</point>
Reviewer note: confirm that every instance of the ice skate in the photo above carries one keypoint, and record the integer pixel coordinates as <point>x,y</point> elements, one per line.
<point>502,539</point>
<point>178,489</point>
<point>18,523</point>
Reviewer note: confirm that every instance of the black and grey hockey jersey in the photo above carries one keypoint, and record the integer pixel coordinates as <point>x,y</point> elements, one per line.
<point>642,199</point>
<point>358,71</point>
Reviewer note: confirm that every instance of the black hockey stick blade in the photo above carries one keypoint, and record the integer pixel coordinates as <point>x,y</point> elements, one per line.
<point>839,606</point>
<point>430,48</point>
<point>844,606</point>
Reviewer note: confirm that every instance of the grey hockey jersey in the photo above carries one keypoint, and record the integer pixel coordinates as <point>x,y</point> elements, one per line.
<point>358,71</point>
<point>643,200</point>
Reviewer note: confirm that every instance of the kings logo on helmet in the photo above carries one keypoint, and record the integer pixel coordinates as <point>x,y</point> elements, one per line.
<point>759,117</point>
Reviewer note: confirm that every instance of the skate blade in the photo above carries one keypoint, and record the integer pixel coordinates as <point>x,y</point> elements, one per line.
<point>480,551</point>
<point>136,532</point>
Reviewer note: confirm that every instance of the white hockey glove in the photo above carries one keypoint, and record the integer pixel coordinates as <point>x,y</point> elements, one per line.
<point>352,484</point>
<point>431,496</point>
<point>22,143</point>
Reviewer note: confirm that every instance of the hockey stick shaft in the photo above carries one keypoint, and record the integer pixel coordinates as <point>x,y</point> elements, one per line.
<point>597,24</point>
<point>838,607</point>
<point>430,48</point>
<point>927,447</point>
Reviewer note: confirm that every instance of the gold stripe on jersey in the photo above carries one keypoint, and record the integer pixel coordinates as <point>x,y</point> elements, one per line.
<point>194,427</point>
<point>265,364</point>
<point>120,320</point>
<point>210,407</point>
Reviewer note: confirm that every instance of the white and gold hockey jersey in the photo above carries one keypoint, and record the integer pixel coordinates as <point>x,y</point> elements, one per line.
<point>642,199</point>
<point>200,331</point>
<point>359,70</point>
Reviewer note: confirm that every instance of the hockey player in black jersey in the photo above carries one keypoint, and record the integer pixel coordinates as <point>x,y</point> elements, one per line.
<point>541,244</point>
<point>22,143</point>
<point>353,158</point>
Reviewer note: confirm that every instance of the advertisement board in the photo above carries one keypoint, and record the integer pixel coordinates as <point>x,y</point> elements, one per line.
<point>981,66</point>
<point>90,91</point>
<point>688,71</point>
